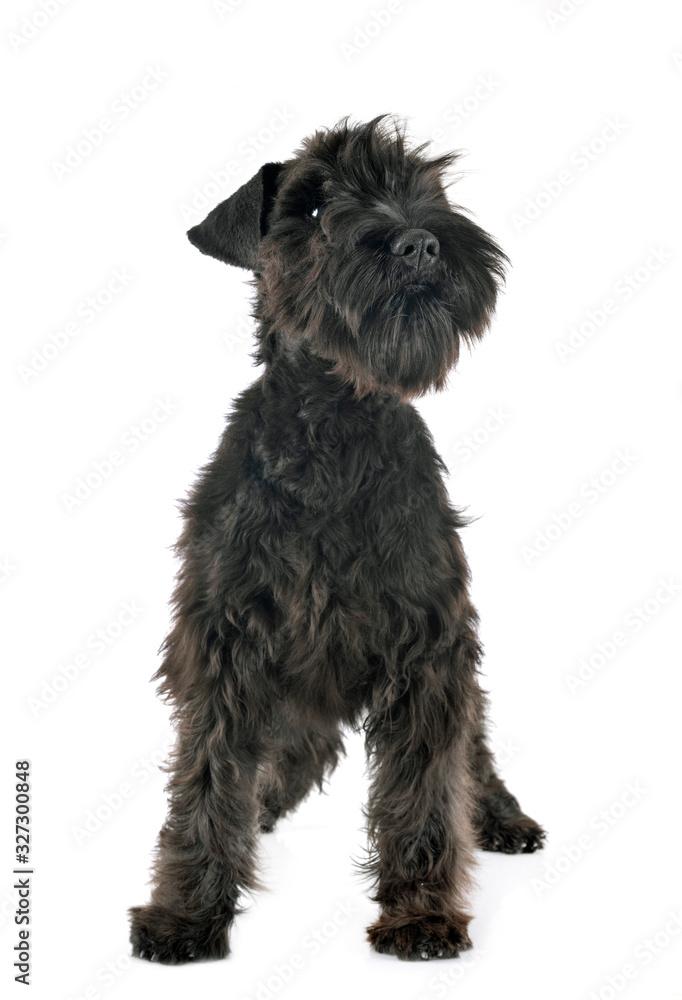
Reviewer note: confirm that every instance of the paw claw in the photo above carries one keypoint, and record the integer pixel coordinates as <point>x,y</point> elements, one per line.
<point>516,835</point>
<point>420,937</point>
<point>160,935</point>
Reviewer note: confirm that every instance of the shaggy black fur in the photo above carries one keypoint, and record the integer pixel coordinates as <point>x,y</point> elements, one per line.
<point>323,582</point>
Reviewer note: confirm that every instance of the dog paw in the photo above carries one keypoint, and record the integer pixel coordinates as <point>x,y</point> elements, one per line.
<point>516,835</point>
<point>420,938</point>
<point>268,820</point>
<point>159,935</point>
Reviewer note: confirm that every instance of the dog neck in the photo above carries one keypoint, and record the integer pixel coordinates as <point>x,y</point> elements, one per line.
<point>317,443</point>
<point>309,386</point>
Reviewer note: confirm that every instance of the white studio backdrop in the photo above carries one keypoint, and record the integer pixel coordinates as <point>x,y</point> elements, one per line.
<point>123,123</point>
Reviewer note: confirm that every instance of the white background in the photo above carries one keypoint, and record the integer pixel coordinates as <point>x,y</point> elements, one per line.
<point>537,85</point>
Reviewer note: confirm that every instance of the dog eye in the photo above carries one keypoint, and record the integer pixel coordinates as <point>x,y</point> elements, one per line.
<point>316,211</point>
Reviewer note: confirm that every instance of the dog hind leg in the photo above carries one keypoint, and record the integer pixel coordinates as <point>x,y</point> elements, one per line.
<point>306,758</point>
<point>500,822</point>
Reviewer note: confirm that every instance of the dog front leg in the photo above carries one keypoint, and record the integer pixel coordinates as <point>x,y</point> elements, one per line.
<point>206,848</point>
<point>420,812</point>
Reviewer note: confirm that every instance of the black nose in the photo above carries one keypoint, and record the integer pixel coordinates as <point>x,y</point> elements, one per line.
<point>418,248</point>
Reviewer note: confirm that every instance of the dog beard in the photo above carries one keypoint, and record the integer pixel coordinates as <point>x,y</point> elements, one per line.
<point>405,339</point>
<point>405,342</point>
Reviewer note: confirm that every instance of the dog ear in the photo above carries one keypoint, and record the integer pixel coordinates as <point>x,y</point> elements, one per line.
<point>233,230</point>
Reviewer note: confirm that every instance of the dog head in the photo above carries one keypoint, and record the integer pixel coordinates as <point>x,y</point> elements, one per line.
<point>358,254</point>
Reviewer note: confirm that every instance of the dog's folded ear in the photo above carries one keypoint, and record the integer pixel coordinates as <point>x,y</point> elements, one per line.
<point>233,230</point>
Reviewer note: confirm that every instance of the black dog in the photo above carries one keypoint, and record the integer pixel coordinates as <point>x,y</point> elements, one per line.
<point>323,581</point>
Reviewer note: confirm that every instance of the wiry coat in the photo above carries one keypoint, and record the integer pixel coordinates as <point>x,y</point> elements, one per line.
<point>323,582</point>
